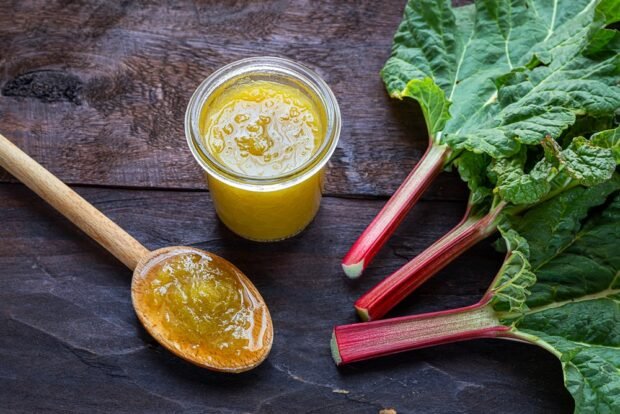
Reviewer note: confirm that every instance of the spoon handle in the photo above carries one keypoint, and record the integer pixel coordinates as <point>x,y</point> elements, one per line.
<point>103,230</point>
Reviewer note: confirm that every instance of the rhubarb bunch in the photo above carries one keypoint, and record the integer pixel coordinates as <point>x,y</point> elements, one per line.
<point>559,288</point>
<point>490,79</point>
<point>503,191</point>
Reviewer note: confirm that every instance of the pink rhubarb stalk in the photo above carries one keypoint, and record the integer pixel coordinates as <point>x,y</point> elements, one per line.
<point>393,289</point>
<point>393,213</point>
<point>360,341</point>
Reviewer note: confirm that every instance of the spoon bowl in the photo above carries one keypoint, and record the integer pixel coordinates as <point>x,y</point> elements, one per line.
<point>139,259</point>
<point>215,359</point>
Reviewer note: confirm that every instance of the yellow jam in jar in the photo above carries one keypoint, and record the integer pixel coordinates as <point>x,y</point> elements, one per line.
<point>205,307</point>
<point>262,128</point>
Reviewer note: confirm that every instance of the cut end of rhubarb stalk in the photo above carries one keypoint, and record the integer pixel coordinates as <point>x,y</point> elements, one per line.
<point>335,351</point>
<point>378,301</point>
<point>394,211</point>
<point>363,313</point>
<point>353,271</point>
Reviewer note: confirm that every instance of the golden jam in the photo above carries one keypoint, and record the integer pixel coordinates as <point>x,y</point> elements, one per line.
<point>205,308</point>
<point>262,128</point>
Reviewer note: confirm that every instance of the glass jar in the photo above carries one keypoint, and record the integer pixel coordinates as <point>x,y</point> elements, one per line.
<point>264,208</point>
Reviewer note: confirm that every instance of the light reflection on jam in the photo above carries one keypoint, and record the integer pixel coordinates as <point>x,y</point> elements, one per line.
<point>204,307</point>
<point>262,128</point>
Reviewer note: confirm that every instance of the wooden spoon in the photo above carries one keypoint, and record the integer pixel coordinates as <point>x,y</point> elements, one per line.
<point>135,256</point>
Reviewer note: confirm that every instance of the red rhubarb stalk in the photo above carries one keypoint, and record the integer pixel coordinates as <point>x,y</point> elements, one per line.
<point>394,211</point>
<point>393,289</point>
<point>360,341</point>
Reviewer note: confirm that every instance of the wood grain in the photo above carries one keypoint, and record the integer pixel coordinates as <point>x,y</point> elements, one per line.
<point>97,90</point>
<point>66,201</point>
<point>71,343</point>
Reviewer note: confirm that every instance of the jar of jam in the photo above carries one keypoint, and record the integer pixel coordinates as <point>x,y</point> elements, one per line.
<point>263,130</point>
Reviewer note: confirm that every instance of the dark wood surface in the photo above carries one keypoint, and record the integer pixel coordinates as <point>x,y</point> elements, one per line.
<point>96,91</point>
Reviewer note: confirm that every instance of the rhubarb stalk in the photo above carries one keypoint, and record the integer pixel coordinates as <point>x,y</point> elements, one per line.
<point>557,289</point>
<point>360,341</point>
<point>394,211</point>
<point>393,289</point>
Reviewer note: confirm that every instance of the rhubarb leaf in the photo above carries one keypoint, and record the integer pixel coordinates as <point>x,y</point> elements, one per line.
<point>544,100</point>
<point>432,100</point>
<point>588,163</point>
<point>550,227</point>
<point>574,308</point>
<point>461,50</point>
<point>538,237</point>
<point>511,288</point>
<point>517,187</point>
<point>472,168</point>
<point>609,139</point>
<point>583,162</point>
<point>611,11</point>
<point>513,71</point>
<point>492,78</point>
<point>566,296</point>
<point>559,288</point>
<point>589,356</point>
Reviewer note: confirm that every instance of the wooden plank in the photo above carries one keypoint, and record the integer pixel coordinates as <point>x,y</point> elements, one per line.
<point>96,91</point>
<point>69,341</point>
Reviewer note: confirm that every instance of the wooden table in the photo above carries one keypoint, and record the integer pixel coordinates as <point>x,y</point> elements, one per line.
<point>96,91</point>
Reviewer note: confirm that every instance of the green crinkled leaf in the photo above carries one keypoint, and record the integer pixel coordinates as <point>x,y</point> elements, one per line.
<point>493,142</point>
<point>581,163</point>
<point>551,226</point>
<point>546,100</point>
<point>512,286</point>
<point>568,299</point>
<point>588,163</point>
<point>425,46</point>
<point>472,168</point>
<point>611,10</point>
<point>609,139</point>
<point>461,50</point>
<point>585,335</point>
<point>432,100</point>
<point>507,84</point>
<point>514,70</point>
<point>587,127</point>
<point>515,186</point>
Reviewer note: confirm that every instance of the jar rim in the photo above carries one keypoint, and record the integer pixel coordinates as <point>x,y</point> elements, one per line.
<point>256,65</point>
